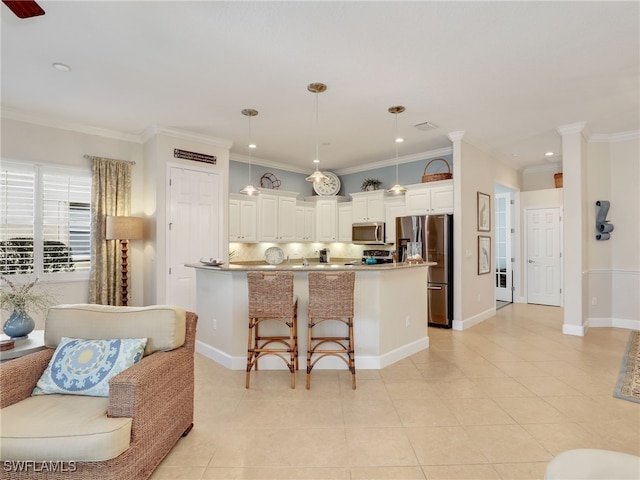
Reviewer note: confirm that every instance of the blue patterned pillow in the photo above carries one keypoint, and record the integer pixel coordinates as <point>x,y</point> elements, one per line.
<point>84,367</point>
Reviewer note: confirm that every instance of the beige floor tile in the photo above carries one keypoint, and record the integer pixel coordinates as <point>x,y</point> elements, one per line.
<point>379,447</point>
<point>319,447</point>
<point>194,450</point>
<point>177,473</point>
<point>460,472</point>
<point>410,389</point>
<point>478,411</point>
<point>370,413</point>
<point>502,387</point>
<point>444,446</point>
<point>387,473</point>
<point>531,410</point>
<point>439,371</point>
<point>458,388</point>
<point>580,409</point>
<point>521,369</point>
<point>428,413</point>
<point>276,473</point>
<point>507,443</point>
<point>547,386</point>
<point>521,471</point>
<point>557,438</point>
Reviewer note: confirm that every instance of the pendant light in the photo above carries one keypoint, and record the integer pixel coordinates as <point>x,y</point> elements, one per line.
<point>317,176</point>
<point>397,189</point>
<point>250,189</point>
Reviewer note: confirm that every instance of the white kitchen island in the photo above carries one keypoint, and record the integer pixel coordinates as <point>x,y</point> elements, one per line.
<point>390,313</point>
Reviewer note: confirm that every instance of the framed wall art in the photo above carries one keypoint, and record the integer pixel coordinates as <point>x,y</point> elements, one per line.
<point>484,254</point>
<point>484,212</point>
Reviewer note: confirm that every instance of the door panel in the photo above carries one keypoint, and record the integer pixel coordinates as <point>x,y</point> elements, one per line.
<point>543,256</point>
<point>194,233</point>
<point>503,266</point>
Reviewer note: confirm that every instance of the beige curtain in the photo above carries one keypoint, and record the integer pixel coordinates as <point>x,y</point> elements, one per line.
<point>110,195</point>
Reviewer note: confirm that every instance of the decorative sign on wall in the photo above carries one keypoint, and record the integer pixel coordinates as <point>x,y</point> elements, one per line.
<point>196,157</point>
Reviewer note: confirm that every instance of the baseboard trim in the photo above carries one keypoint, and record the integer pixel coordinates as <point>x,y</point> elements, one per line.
<point>476,319</point>
<point>363,362</point>
<point>599,322</point>
<point>577,330</point>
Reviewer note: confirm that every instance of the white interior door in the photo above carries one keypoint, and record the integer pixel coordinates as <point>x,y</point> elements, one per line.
<point>543,256</point>
<point>194,230</point>
<point>503,267</point>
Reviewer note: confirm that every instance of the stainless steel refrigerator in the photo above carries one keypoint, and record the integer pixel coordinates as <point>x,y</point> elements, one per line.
<point>436,234</point>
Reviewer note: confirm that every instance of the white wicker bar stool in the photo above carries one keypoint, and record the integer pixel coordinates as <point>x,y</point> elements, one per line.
<point>271,299</point>
<point>331,299</point>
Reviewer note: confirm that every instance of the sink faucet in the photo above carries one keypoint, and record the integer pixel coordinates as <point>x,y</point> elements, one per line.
<point>305,262</point>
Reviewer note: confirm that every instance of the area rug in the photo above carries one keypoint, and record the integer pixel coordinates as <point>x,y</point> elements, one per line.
<point>628,386</point>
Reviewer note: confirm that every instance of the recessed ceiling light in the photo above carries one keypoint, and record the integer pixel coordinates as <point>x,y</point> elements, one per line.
<point>549,154</point>
<point>399,140</point>
<point>61,66</point>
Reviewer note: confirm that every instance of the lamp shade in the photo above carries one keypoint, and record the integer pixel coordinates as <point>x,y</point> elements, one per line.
<point>124,228</point>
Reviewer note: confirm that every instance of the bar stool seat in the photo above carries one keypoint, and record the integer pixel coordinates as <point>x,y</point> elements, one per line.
<point>271,299</point>
<point>331,300</point>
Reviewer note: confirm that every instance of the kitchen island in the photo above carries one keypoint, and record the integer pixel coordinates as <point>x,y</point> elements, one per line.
<point>390,312</point>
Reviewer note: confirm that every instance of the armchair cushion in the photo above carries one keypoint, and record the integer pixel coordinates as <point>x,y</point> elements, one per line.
<point>84,367</point>
<point>162,325</point>
<point>62,427</point>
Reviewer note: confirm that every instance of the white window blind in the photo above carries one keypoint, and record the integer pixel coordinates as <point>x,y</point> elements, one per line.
<point>48,205</point>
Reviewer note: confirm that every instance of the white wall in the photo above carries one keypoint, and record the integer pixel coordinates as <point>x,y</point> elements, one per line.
<point>48,145</point>
<point>540,177</point>
<point>614,265</point>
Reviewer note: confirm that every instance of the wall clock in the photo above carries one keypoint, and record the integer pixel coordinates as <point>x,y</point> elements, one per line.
<point>331,186</point>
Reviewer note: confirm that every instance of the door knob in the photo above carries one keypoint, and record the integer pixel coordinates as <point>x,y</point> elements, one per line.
<point>531,261</point>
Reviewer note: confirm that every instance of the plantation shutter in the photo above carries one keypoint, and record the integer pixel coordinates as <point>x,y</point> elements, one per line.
<point>17,217</point>
<point>66,221</point>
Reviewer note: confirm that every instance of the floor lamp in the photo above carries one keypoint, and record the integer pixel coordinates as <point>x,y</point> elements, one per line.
<point>124,229</point>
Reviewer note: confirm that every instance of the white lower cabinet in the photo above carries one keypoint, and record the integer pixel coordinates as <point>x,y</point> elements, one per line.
<point>242,219</point>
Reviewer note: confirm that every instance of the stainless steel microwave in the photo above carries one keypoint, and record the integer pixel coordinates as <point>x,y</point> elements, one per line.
<point>368,233</point>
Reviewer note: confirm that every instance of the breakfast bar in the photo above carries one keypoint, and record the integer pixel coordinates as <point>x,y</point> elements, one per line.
<point>390,318</point>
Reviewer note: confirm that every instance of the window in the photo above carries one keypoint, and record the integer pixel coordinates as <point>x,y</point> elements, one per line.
<point>45,219</point>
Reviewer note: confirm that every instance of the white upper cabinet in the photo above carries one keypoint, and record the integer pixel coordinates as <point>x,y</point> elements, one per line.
<point>368,206</point>
<point>277,214</point>
<point>345,220</point>
<point>430,198</point>
<point>326,221</point>
<point>395,207</point>
<point>242,219</point>
<point>305,222</point>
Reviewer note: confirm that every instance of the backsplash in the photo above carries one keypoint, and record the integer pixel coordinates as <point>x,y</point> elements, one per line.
<point>248,252</point>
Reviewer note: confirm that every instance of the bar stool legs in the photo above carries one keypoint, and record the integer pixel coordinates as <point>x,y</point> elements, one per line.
<point>331,299</point>
<point>271,299</point>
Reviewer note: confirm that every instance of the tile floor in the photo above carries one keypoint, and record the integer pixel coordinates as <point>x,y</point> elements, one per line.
<point>496,401</point>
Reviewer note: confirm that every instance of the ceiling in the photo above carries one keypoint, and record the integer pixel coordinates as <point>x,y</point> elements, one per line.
<point>506,73</point>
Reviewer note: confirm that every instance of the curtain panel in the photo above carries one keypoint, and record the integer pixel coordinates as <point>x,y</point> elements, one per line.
<point>110,195</point>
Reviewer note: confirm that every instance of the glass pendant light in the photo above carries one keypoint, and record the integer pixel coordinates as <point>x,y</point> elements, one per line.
<point>317,176</point>
<point>250,189</point>
<point>397,189</point>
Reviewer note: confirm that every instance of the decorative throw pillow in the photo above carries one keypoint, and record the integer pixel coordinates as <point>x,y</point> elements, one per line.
<point>84,367</point>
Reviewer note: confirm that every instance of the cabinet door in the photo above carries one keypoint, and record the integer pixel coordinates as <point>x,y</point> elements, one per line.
<point>345,220</point>
<point>418,202</point>
<point>375,209</point>
<point>286,215</point>
<point>326,221</point>
<point>268,229</point>
<point>309,224</point>
<point>359,210</point>
<point>234,220</point>
<point>248,217</point>
<point>393,209</point>
<point>442,199</point>
<point>299,221</point>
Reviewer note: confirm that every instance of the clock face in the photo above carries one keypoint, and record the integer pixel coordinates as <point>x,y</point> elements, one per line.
<point>331,186</point>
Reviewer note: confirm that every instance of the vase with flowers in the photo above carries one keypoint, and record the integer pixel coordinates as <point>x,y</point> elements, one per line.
<point>20,300</point>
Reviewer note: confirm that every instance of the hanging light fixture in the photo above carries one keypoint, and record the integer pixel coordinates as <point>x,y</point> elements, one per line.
<point>397,189</point>
<point>317,176</point>
<point>250,189</point>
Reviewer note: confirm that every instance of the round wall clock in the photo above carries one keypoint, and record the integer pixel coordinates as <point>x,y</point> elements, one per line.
<point>331,186</point>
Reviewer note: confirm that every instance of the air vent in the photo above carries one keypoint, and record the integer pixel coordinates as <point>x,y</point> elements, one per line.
<point>426,126</point>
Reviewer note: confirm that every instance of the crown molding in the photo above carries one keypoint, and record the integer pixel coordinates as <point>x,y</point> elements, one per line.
<point>577,127</point>
<point>415,157</point>
<point>17,115</point>
<point>615,137</point>
<point>185,135</point>
<point>456,136</point>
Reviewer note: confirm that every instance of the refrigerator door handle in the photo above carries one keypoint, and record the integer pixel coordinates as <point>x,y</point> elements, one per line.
<point>434,288</point>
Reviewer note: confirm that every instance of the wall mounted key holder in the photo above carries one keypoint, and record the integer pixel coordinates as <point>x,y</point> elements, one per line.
<point>603,227</point>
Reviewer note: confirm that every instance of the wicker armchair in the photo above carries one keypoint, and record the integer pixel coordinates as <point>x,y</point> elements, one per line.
<point>157,393</point>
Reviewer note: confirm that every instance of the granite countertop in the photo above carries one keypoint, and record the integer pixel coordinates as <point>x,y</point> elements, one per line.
<point>314,265</point>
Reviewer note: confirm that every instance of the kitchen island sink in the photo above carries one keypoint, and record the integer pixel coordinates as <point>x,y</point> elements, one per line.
<point>390,312</point>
